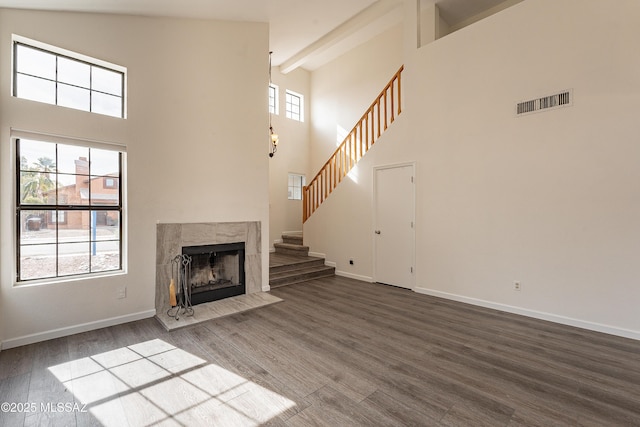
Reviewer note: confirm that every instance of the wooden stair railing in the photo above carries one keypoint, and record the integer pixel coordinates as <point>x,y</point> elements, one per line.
<point>364,134</point>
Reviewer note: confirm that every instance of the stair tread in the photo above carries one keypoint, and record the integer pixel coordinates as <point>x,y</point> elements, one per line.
<point>279,260</point>
<point>290,249</point>
<point>300,271</point>
<point>301,277</point>
<point>297,266</point>
<point>293,239</point>
<point>290,246</point>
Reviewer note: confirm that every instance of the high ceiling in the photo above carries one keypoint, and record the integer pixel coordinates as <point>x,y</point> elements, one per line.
<point>295,25</point>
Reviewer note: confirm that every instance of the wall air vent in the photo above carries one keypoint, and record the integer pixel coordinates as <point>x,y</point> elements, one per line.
<point>551,102</point>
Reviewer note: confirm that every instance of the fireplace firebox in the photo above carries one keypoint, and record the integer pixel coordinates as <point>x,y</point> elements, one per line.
<point>217,271</point>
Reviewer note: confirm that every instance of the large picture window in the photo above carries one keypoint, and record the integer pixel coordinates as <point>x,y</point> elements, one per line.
<point>69,209</point>
<point>82,83</point>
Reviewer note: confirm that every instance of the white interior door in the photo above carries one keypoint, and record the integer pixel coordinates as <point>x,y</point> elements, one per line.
<point>394,229</point>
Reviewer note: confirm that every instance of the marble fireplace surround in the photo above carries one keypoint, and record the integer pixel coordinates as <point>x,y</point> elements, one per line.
<point>170,238</point>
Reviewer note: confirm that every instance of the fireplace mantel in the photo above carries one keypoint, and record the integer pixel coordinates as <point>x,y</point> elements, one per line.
<point>170,238</point>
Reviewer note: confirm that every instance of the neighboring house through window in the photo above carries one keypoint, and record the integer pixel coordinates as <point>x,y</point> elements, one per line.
<point>69,208</point>
<point>58,217</point>
<point>110,183</point>
<point>294,106</point>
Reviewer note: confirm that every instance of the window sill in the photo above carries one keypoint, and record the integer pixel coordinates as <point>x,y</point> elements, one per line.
<point>68,279</point>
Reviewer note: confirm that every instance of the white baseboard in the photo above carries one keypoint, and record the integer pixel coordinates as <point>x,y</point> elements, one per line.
<point>354,276</point>
<point>563,320</point>
<point>272,248</point>
<point>342,273</point>
<point>76,329</point>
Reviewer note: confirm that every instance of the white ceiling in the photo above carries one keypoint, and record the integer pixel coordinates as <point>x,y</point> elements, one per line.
<point>295,25</point>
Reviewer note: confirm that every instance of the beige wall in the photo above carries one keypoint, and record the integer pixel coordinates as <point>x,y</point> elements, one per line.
<point>194,152</point>
<point>342,90</point>
<point>550,200</point>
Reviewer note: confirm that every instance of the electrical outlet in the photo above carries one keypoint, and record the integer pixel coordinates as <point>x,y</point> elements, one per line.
<point>517,286</point>
<point>122,292</point>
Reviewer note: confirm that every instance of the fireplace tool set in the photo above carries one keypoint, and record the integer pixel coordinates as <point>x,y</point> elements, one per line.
<point>180,278</point>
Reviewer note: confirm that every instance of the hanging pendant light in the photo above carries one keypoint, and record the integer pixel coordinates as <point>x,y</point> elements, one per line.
<point>274,141</point>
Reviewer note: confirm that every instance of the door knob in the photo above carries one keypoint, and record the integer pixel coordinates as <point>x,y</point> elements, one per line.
<point>377,231</point>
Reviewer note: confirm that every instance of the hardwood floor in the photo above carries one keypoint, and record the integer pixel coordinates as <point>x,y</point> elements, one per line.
<point>335,352</point>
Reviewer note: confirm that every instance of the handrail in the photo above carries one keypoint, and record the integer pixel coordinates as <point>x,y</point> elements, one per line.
<point>364,134</point>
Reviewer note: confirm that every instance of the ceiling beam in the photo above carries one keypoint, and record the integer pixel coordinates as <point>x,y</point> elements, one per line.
<point>374,12</point>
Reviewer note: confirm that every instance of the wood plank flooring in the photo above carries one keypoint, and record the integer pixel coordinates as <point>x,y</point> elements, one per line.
<point>335,352</point>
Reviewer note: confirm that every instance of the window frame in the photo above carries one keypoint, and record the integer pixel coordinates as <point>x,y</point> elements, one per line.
<point>73,56</point>
<point>299,116</point>
<point>302,179</point>
<point>275,107</point>
<point>62,206</point>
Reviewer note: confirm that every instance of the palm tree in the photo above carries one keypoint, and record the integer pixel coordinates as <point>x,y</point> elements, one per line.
<point>36,182</point>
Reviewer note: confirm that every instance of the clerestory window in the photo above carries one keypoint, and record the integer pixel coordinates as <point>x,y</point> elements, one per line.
<point>55,76</point>
<point>273,99</point>
<point>294,106</point>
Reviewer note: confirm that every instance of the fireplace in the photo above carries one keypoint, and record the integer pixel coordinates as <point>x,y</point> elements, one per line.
<point>215,271</point>
<point>172,238</point>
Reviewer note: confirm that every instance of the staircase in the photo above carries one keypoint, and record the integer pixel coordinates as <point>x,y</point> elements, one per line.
<point>373,123</point>
<point>291,263</point>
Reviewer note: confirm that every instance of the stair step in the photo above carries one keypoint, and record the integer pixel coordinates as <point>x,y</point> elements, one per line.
<point>300,275</point>
<point>296,263</point>
<point>291,263</point>
<point>291,249</point>
<point>293,239</point>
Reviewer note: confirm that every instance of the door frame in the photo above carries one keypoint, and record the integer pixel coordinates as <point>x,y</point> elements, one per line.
<point>375,218</point>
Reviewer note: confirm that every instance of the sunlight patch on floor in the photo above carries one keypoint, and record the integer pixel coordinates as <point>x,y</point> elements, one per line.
<point>157,383</point>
